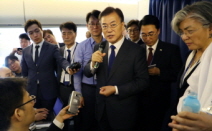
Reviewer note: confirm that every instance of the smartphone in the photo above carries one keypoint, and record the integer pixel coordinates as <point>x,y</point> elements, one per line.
<point>151,66</point>
<point>19,49</point>
<point>74,102</point>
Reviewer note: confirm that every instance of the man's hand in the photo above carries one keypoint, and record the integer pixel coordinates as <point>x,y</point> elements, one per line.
<point>71,72</point>
<point>42,110</point>
<point>41,114</point>
<point>107,90</point>
<point>154,71</point>
<point>82,102</point>
<point>97,57</point>
<point>63,115</point>
<point>187,121</point>
<point>14,51</point>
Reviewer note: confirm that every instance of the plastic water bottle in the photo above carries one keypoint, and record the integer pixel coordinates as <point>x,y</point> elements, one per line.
<point>191,103</point>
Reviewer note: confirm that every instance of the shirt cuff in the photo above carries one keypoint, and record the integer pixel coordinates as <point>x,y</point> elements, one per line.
<point>117,91</point>
<point>58,124</point>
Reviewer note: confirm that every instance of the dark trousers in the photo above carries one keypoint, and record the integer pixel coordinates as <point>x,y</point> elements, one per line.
<point>104,124</point>
<point>41,102</point>
<point>87,113</point>
<point>64,94</point>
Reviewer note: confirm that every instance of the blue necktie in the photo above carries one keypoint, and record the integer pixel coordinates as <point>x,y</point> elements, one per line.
<point>69,56</point>
<point>112,57</point>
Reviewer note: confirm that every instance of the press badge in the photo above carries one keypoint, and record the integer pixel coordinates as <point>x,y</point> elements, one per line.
<point>67,79</point>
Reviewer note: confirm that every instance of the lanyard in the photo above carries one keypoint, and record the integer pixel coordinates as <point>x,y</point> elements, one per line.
<point>182,77</point>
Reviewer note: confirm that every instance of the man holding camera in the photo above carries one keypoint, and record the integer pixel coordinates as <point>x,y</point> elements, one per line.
<point>68,33</point>
<point>24,42</point>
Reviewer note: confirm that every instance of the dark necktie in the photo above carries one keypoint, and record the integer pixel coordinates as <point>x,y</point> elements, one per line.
<point>69,56</point>
<point>36,53</point>
<point>111,58</point>
<point>149,59</point>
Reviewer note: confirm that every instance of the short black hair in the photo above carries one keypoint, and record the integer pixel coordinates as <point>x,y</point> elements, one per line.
<point>94,13</point>
<point>24,36</point>
<point>150,20</point>
<point>12,58</point>
<point>11,96</point>
<point>133,22</point>
<point>69,25</point>
<point>110,10</point>
<point>31,22</point>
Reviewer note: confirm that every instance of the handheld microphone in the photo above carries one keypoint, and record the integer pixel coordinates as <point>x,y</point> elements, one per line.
<point>101,48</point>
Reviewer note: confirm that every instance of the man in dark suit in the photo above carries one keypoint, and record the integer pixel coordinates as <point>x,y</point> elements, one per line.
<point>164,63</point>
<point>39,66</point>
<point>134,32</point>
<point>121,75</point>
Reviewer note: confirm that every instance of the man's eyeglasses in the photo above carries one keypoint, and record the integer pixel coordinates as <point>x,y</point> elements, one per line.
<point>93,24</point>
<point>151,34</point>
<point>133,30</point>
<point>189,32</point>
<point>32,100</point>
<point>11,63</point>
<point>35,31</point>
<point>112,26</point>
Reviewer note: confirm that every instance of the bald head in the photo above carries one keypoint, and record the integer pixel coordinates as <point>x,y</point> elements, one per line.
<point>5,72</point>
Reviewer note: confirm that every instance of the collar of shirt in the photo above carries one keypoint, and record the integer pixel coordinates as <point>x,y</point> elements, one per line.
<point>137,41</point>
<point>153,47</point>
<point>93,43</point>
<point>58,45</point>
<point>72,49</point>
<point>39,49</point>
<point>117,45</point>
<point>40,44</point>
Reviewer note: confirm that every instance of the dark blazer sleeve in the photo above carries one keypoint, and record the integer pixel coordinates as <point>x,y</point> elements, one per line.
<point>60,60</point>
<point>53,127</point>
<point>24,66</point>
<point>171,73</point>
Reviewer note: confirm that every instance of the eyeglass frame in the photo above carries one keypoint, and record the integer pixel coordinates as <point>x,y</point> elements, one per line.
<point>37,30</point>
<point>114,25</point>
<point>33,99</point>
<point>148,35</point>
<point>190,32</point>
<point>93,24</point>
<point>132,30</point>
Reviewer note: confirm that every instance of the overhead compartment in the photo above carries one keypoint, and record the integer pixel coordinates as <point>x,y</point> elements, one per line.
<point>11,12</point>
<point>55,12</point>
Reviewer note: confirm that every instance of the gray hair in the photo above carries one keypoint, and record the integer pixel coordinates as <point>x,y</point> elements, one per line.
<point>200,11</point>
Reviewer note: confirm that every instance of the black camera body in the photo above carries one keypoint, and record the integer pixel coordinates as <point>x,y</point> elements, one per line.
<point>75,65</point>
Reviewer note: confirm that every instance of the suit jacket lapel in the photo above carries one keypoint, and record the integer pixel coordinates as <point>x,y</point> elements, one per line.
<point>42,52</point>
<point>105,59</point>
<point>62,51</point>
<point>29,51</point>
<point>158,53</point>
<point>119,57</point>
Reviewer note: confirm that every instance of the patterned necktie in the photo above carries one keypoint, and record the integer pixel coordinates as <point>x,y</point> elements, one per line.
<point>111,58</point>
<point>149,59</point>
<point>36,53</point>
